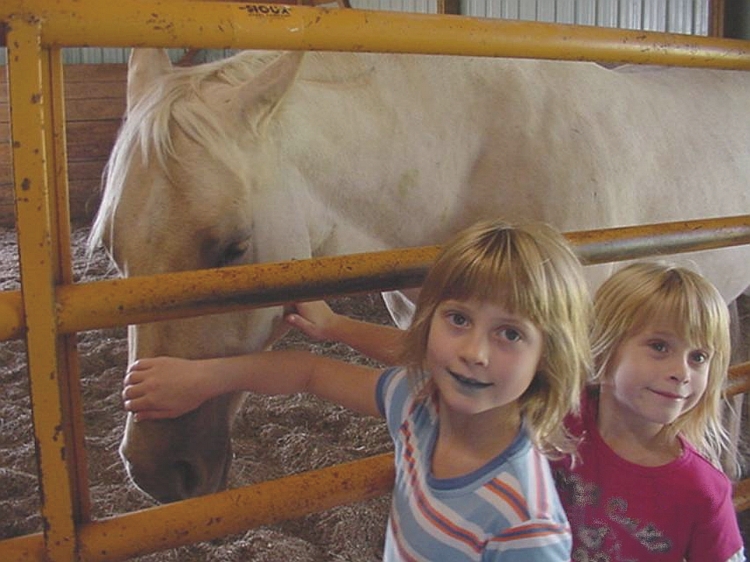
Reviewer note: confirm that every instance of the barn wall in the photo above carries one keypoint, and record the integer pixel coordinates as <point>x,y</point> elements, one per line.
<point>737,19</point>
<point>94,105</point>
<point>676,16</point>
<point>421,6</point>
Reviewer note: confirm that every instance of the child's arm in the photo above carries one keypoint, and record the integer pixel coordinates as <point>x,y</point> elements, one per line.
<point>167,387</point>
<point>317,320</point>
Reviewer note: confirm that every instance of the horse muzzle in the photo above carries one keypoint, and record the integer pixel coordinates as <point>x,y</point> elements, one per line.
<point>172,460</point>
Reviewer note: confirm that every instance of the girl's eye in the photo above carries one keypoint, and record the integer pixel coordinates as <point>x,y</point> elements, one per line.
<point>457,319</point>
<point>659,346</point>
<point>699,357</point>
<point>510,334</point>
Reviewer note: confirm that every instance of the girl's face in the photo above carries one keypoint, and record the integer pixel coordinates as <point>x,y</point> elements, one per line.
<point>656,376</point>
<point>480,356</point>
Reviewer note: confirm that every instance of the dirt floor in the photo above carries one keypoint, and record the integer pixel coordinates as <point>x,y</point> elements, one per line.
<point>273,437</point>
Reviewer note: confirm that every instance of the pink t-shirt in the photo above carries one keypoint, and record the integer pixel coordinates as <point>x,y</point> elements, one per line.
<point>623,512</point>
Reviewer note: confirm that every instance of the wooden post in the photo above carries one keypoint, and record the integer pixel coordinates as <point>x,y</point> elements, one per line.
<point>449,7</point>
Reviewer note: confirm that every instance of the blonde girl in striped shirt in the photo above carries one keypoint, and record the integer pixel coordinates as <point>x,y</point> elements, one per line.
<point>495,358</point>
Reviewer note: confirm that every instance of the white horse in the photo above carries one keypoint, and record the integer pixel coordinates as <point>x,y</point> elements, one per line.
<point>272,156</point>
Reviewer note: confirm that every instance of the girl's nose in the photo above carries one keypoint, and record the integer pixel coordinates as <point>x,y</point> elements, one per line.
<point>681,370</point>
<point>475,350</point>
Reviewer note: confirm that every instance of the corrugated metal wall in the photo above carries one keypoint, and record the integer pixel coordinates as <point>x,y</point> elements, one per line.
<point>421,6</point>
<point>678,16</point>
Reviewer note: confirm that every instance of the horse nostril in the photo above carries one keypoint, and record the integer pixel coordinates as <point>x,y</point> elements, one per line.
<point>188,479</point>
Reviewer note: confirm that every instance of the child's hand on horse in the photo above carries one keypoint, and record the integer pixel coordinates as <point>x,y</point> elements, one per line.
<point>165,387</point>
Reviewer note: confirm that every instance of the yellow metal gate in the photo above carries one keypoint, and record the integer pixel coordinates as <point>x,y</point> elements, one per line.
<point>50,308</point>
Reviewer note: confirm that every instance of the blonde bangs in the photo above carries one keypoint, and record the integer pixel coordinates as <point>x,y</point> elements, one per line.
<point>694,309</point>
<point>508,269</point>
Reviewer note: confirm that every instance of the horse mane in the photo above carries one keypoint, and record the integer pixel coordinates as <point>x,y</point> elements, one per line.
<point>146,127</point>
<point>180,101</point>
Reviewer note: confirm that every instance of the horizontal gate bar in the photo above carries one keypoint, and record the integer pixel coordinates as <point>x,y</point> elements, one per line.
<point>210,517</point>
<point>12,323</point>
<point>220,25</point>
<point>741,496</point>
<point>178,295</point>
<point>135,300</point>
<point>739,379</point>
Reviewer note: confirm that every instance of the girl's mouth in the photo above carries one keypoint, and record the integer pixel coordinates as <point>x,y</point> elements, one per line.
<point>468,382</point>
<point>669,395</point>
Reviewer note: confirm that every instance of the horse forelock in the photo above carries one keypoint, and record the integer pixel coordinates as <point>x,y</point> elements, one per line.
<point>178,100</point>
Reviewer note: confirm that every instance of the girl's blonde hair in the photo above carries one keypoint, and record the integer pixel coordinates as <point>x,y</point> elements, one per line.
<point>531,271</point>
<point>639,292</point>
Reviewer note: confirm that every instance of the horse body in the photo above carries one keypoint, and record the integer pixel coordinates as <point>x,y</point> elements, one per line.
<point>278,156</point>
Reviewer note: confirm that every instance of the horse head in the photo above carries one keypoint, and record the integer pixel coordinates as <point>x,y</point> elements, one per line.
<point>179,195</point>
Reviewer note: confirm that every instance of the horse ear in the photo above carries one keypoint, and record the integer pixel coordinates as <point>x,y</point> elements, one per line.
<point>259,97</point>
<point>145,66</point>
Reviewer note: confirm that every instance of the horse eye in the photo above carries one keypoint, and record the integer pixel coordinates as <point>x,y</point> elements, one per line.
<point>233,253</point>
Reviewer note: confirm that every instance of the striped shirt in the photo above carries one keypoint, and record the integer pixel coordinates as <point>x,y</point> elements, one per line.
<point>507,510</point>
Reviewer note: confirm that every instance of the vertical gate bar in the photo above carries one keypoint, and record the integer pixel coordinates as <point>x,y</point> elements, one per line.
<point>26,88</point>
<point>57,184</point>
